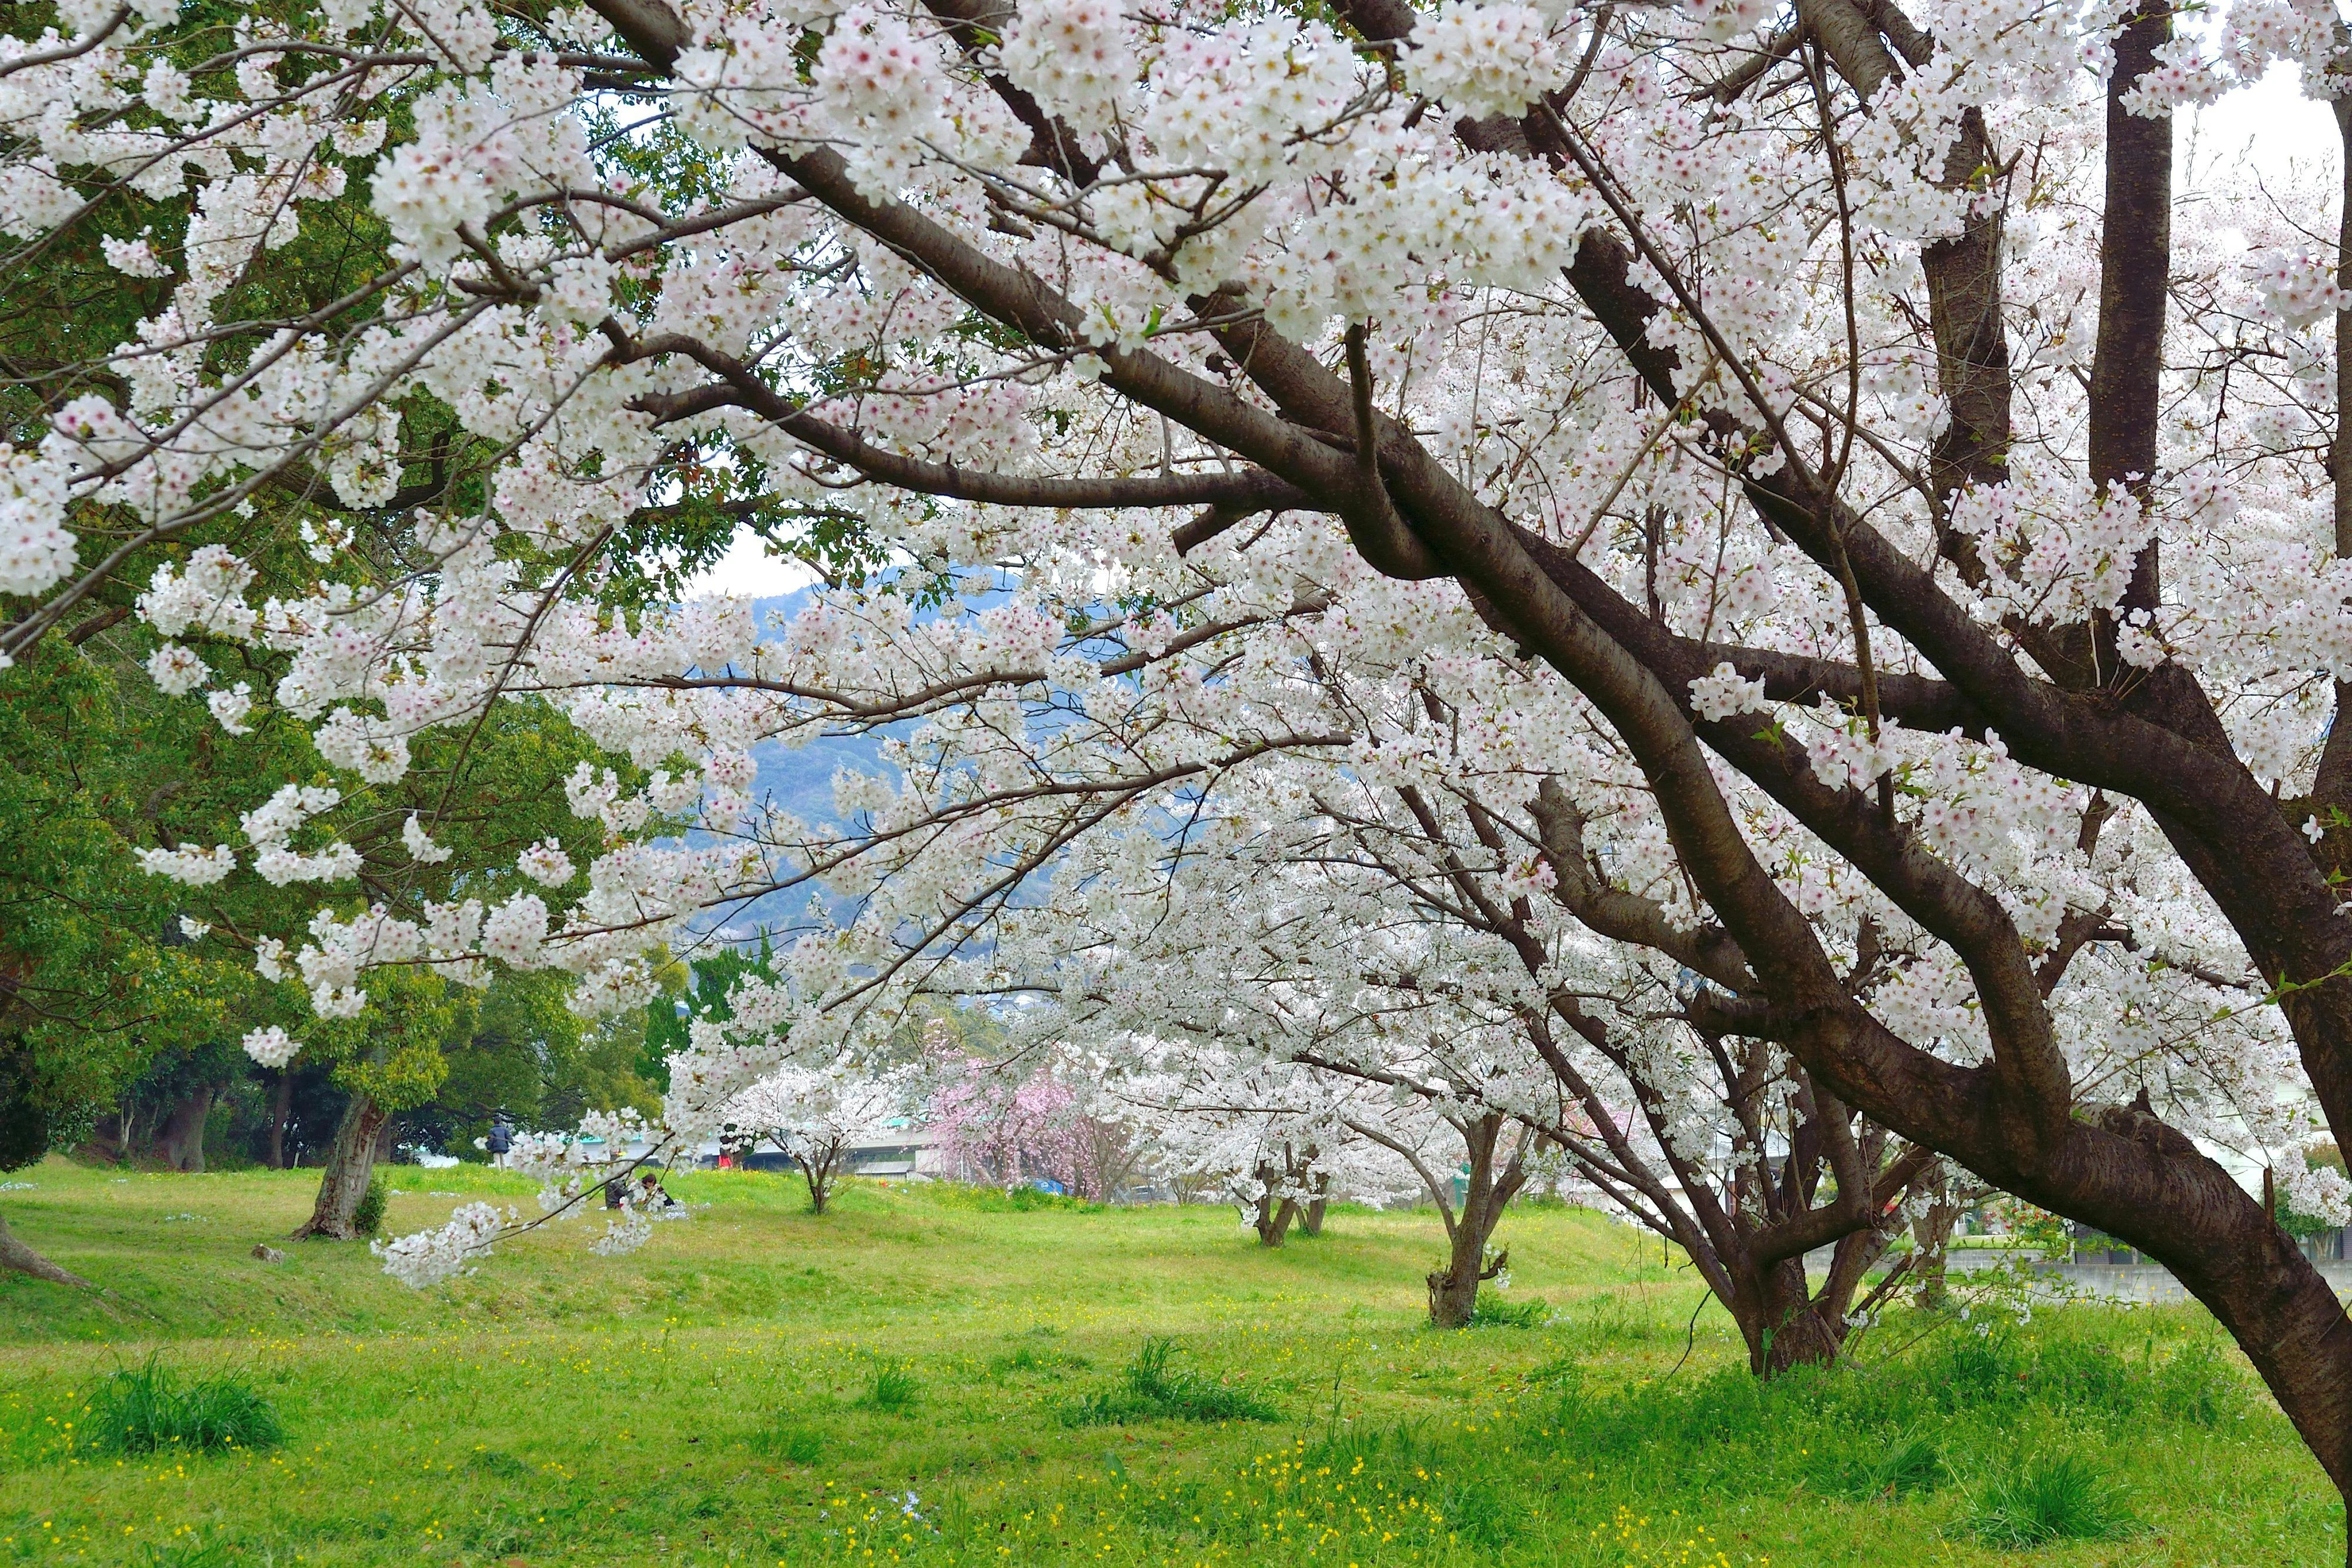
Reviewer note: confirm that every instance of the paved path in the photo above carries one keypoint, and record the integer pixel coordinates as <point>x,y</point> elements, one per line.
<point>2150,1284</point>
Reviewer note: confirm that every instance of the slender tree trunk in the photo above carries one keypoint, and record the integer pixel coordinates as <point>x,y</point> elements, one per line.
<point>1931,1237</point>
<point>180,1142</point>
<point>349,1162</point>
<point>281,1112</point>
<point>819,1172</point>
<point>16,1255</point>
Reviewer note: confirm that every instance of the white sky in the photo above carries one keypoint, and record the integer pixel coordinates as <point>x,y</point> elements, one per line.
<point>748,570</point>
<point>2272,124</point>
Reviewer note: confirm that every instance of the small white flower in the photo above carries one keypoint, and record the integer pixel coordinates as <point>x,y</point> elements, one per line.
<point>545,863</point>
<point>272,1047</point>
<point>421,846</point>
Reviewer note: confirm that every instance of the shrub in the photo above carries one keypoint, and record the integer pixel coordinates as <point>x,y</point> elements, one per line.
<point>2050,1496</point>
<point>187,1552</point>
<point>893,1389</point>
<point>368,1218</point>
<point>1153,1387</point>
<point>2198,1384</point>
<point>1978,1369</point>
<point>143,1410</point>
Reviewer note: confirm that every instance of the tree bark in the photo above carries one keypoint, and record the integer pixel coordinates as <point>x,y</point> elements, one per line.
<point>1931,1237</point>
<point>1310,1221</point>
<point>1787,1326</point>
<point>1274,1216</point>
<point>1454,1294</point>
<point>16,1255</point>
<point>350,1163</point>
<point>281,1112</point>
<point>819,1170</point>
<point>180,1142</point>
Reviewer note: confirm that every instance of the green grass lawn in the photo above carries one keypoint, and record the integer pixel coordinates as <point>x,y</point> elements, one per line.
<point>910,1378</point>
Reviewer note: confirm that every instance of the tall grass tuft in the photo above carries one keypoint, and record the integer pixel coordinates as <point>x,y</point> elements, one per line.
<point>1153,1387</point>
<point>2051,1497</point>
<point>892,1389</point>
<point>146,1410</point>
<point>1910,1462</point>
<point>1491,1312</point>
<point>789,1441</point>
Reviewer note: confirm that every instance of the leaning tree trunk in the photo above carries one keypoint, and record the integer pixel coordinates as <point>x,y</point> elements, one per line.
<point>350,1161</point>
<point>16,1255</point>
<point>180,1142</point>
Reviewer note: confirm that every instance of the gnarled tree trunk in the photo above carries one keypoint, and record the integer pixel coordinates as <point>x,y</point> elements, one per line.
<point>1274,1216</point>
<point>350,1163</point>
<point>1453,1293</point>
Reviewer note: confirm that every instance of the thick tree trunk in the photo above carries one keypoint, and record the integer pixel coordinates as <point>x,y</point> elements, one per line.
<point>281,1112</point>
<point>1454,1294</point>
<point>180,1142</point>
<point>1789,1328</point>
<point>1310,1222</point>
<point>350,1163</point>
<point>1275,1216</point>
<point>16,1255</point>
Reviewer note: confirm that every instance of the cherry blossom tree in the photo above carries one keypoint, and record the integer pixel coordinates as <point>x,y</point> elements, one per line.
<point>1909,524</point>
<point>817,1117</point>
<point>1039,1113</point>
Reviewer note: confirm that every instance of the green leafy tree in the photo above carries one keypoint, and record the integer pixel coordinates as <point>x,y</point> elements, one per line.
<point>530,1058</point>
